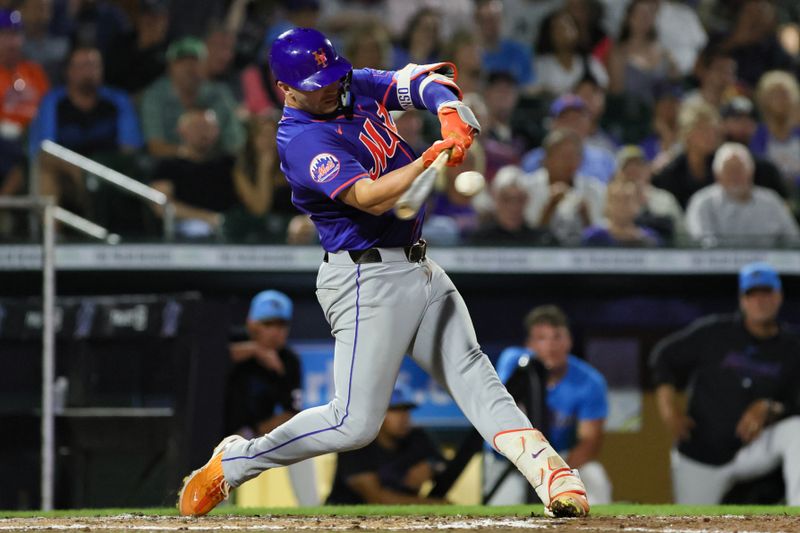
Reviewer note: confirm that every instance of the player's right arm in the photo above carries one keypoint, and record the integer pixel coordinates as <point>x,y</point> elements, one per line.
<point>430,87</point>
<point>379,196</point>
<point>327,167</point>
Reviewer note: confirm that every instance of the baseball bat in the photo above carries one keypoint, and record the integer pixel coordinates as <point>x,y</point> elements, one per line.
<point>409,204</point>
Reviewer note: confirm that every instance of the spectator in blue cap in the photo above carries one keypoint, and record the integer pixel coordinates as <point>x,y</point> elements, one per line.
<point>264,387</point>
<point>742,419</point>
<point>265,383</point>
<point>570,112</point>
<point>393,468</point>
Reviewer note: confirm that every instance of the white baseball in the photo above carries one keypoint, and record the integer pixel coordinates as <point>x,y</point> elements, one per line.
<point>469,183</point>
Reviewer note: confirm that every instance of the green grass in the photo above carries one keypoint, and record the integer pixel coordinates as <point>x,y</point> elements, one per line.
<point>434,510</point>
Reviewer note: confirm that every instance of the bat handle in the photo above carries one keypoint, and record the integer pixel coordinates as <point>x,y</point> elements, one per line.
<point>441,160</point>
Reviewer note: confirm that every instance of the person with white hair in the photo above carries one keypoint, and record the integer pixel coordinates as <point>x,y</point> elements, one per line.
<point>507,223</point>
<point>733,210</point>
<point>777,138</point>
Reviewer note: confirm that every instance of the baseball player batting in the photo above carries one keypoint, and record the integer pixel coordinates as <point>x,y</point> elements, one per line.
<point>383,297</point>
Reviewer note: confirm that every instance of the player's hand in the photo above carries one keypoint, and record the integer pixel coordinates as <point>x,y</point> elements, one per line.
<point>753,421</point>
<point>680,425</point>
<point>458,122</point>
<point>457,154</point>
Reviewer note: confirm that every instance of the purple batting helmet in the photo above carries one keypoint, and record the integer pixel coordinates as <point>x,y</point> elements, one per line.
<point>305,59</point>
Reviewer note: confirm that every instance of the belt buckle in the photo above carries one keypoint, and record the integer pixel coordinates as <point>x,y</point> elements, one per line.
<point>416,252</point>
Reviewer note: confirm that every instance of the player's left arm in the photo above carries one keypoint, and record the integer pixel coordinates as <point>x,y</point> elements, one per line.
<point>432,87</point>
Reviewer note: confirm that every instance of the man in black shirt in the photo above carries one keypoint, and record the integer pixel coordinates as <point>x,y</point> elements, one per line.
<point>392,469</point>
<point>742,373</point>
<point>264,388</point>
<point>199,183</point>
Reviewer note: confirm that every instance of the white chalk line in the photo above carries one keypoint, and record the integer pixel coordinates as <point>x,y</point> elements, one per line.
<point>463,524</point>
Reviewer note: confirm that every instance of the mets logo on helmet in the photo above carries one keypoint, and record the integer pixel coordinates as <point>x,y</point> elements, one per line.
<point>324,167</point>
<point>321,58</point>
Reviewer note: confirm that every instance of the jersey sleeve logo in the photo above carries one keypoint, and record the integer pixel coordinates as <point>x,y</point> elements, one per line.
<point>324,167</point>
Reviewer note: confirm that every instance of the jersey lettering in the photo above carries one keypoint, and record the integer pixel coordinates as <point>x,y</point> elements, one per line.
<point>378,147</point>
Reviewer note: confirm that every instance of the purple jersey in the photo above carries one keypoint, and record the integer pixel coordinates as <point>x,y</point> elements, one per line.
<point>323,156</point>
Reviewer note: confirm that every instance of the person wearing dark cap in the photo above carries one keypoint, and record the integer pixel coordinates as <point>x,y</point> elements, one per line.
<point>393,468</point>
<point>22,82</point>
<point>137,57</point>
<point>570,112</point>
<point>739,125</point>
<point>184,87</point>
<point>741,371</point>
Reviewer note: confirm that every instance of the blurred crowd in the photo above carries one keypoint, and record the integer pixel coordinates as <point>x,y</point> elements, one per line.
<point>605,122</point>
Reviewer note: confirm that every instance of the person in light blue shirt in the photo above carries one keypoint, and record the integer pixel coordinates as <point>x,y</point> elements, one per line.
<point>570,112</point>
<point>577,405</point>
<point>500,54</point>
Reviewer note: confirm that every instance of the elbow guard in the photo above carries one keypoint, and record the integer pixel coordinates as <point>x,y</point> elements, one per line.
<point>421,85</point>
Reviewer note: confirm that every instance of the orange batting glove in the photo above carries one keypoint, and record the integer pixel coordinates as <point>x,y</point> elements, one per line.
<point>456,155</point>
<point>458,122</point>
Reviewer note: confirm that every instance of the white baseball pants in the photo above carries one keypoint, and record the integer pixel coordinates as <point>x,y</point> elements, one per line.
<point>699,483</point>
<point>378,312</point>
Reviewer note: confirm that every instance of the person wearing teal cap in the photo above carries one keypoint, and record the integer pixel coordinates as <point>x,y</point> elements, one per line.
<point>741,372</point>
<point>264,387</point>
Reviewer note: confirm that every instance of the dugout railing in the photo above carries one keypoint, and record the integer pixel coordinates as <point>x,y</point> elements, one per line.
<point>118,180</point>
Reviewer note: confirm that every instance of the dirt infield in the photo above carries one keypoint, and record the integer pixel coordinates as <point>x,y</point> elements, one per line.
<point>639,524</point>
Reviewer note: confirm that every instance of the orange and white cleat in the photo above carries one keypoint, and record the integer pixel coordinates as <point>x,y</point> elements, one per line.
<point>560,488</point>
<point>205,488</point>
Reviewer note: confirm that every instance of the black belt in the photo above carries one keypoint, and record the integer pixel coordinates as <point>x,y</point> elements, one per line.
<point>414,253</point>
